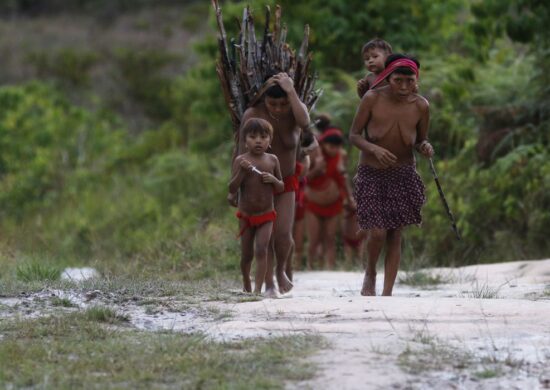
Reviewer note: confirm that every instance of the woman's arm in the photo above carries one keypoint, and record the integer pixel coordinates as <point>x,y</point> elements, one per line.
<point>299,109</point>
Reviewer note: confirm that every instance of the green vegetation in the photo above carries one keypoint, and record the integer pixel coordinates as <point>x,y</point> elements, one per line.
<point>116,155</point>
<point>104,314</point>
<point>31,272</point>
<point>77,351</point>
<point>421,279</point>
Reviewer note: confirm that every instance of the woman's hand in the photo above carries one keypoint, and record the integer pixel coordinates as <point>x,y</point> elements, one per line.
<point>384,156</point>
<point>284,81</point>
<point>425,148</point>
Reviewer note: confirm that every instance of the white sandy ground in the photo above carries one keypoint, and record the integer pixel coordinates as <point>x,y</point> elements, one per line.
<point>368,336</point>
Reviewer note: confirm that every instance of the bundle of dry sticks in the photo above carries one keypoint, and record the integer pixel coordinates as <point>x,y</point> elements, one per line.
<point>245,63</point>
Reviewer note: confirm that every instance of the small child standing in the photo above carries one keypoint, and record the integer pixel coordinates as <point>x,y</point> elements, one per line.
<point>256,175</point>
<point>374,54</point>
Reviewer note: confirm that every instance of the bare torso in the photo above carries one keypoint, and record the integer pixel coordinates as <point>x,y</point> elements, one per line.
<point>393,125</point>
<point>286,137</point>
<point>256,197</point>
<point>328,194</point>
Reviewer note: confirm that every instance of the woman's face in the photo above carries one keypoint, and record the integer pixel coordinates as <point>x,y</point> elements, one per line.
<point>402,85</point>
<point>277,106</point>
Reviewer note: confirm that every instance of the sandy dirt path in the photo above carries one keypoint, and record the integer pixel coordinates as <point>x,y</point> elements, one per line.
<point>420,338</point>
<point>427,337</point>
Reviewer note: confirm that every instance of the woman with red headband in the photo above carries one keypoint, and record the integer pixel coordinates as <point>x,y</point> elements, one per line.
<point>389,191</point>
<point>326,191</point>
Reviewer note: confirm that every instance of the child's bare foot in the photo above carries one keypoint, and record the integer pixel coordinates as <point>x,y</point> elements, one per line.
<point>285,285</point>
<point>271,293</point>
<point>247,287</point>
<point>369,285</point>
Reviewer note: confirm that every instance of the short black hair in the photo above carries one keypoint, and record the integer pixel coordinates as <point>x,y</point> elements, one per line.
<point>323,122</point>
<point>377,43</point>
<point>402,69</point>
<point>307,138</point>
<point>333,140</point>
<point>257,126</point>
<point>276,92</point>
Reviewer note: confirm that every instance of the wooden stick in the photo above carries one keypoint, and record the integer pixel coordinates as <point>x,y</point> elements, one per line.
<point>444,200</point>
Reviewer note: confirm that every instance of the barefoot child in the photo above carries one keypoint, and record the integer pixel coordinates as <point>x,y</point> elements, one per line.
<point>389,191</point>
<point>282,108</point>
<point>374,54</point>
<point>257,175</point>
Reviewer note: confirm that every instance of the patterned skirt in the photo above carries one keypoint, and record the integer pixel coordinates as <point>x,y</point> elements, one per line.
<point>388,198</point>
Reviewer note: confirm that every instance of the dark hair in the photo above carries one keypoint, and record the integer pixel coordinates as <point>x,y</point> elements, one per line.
<point>307,138</point>
<point>276,92</point>
<point>333,140</point>
<point>323,122</point>
<point>402,69</point>
<point>257,126</point>
<point>377,43</point>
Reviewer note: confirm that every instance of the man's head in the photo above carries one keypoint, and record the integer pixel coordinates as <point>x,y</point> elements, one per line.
<point>276,100</point>
<point>375,53</point>
<point>403,79</point>
<point>258,134</point>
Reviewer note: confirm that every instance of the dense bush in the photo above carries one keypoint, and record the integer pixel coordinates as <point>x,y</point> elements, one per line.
<point>77,185</point>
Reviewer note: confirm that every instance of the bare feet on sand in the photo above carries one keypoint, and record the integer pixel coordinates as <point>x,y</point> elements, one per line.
<point>285,285</point>
<point>271,293</point>
<point>247,285</point>
<point>369,285</point>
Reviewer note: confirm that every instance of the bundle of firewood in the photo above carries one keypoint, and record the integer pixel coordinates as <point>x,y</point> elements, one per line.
<point>245,63</point>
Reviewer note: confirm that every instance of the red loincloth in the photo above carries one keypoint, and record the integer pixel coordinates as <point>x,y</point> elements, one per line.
<point>256,220</point>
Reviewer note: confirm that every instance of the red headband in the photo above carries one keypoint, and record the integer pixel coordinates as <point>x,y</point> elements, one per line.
<point>402,62</point>
<point>331,131</point>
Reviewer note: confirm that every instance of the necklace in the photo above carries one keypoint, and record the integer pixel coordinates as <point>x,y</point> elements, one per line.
<point>272,116</point>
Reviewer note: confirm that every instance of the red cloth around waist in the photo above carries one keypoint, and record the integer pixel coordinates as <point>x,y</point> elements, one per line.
<point>291,184</point>
<point>327,211</point>
<point>352,242</point>
<point>256,220</point>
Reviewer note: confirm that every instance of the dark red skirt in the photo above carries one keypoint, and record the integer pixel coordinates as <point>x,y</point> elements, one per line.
<point>388,198</point>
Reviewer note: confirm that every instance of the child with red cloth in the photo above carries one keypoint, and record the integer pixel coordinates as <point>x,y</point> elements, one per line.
<point>326,191</point>
<point>256,175</point>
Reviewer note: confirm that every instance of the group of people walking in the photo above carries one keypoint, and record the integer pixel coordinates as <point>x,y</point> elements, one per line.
<point>283,176</point>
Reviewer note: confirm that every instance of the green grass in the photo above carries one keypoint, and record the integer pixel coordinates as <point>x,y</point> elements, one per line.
<point>421,279</point>
<point>35,271</point>
<point>433,355</point>
<point>62,302</point>
<point>104,314</point>
<point>75,351</point>
<point>483,291</point>
<point>488,373</point>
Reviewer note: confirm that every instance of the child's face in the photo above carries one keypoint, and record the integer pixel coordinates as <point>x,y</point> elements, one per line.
<point>277,106</point>
<point>374,60</point>
<point>257,143</point>
<point>331,149</point>
<point>402,85</point>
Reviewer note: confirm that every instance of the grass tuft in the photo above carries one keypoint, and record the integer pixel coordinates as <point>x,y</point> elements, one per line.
<point>104,314</point>
<point>483,291</point>
<point>37,272</point>
<point>421,279</point>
